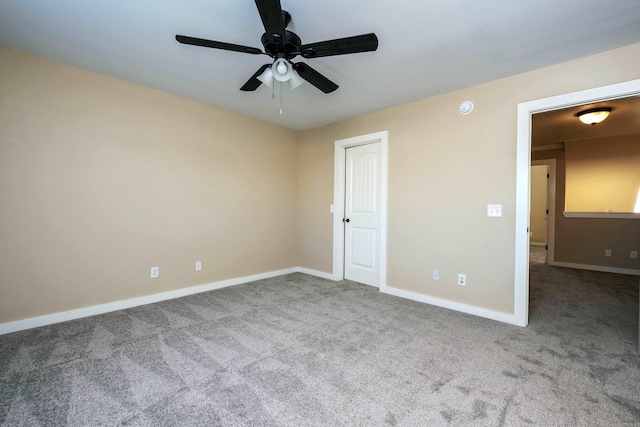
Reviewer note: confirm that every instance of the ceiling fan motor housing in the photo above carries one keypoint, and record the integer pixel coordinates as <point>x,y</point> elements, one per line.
<point>288,49</point>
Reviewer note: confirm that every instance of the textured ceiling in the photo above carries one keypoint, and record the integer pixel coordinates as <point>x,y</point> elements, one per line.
<point>427,47</point>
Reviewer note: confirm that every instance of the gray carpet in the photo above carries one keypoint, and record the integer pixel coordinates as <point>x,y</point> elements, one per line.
<point>302,351</point>
<point>537,255</point>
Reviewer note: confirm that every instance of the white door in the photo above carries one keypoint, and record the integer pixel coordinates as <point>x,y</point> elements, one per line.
<point>362,214</point>
<point>539,204</point>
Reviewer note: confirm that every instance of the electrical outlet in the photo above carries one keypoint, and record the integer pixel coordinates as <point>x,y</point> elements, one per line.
<point>155,272</point>
<point>633,254</point>
<point>436,275</point>
<point>198,265</point>
<point>462,279</point>
<point>607,252</point>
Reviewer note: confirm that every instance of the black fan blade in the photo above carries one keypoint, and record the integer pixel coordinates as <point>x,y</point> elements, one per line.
<point>272,19</point>
<point>217,45</point>
<point>253,82</point>
<point>315,78</point>
<point>354,44</point>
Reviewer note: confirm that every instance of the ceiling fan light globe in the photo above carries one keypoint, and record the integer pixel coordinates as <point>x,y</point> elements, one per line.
<point>267,78</point>
<point>295,80</point>
<point>281,70</point>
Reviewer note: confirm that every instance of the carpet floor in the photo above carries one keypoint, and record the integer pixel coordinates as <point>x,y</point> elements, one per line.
<point>302,351</point>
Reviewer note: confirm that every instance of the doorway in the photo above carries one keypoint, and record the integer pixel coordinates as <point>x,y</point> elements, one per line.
<point>543,207</point>
<point>539,206</point>
<point>523,171</point>
<point>360,219</point>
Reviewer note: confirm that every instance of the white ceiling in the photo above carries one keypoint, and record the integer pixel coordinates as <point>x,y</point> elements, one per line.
<point>427,47</point>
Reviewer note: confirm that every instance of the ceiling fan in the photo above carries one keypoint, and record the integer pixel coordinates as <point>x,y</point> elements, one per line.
<point>283,45</point>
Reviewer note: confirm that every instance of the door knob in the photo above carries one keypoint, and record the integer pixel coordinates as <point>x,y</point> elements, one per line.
<point>346,220</point>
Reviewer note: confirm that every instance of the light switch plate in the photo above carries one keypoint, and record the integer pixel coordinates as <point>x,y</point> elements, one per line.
<point>494,211</point>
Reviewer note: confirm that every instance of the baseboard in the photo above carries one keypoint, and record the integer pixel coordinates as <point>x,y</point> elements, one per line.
<point>605,269</point>
<point>321,274</point>
<point>537,243</point>
<point>463,308</point>
<point>49,319</point>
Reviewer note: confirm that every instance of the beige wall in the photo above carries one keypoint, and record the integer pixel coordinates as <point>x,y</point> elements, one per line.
<point>101,179</point>
<point>603,174</point>
<point>437,203</point>
<point>584,240</point>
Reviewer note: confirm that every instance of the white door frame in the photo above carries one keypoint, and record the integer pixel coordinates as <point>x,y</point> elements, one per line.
<point>339,195</point>
<point>551,206</point>
<point>523,175</point>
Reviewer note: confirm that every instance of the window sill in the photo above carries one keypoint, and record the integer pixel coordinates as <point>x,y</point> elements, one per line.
<point>601,215</point>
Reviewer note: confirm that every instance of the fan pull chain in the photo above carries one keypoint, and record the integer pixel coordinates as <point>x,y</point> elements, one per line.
<point>280,98</point>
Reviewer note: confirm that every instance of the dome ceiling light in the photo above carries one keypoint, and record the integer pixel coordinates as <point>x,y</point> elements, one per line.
<point>594,116</point>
